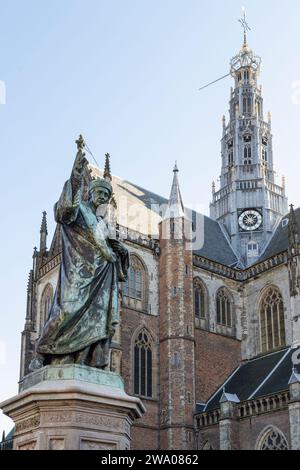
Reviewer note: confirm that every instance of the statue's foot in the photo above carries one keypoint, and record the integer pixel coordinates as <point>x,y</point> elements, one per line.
<point>36,363</point>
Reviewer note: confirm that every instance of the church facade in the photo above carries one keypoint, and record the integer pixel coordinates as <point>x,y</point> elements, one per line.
<point>210,313</point>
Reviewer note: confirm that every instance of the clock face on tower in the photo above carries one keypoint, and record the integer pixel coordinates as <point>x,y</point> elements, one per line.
<point>250,220</point>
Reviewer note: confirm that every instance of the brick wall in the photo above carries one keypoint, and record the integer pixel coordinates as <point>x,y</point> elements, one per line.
<point>216,358</point>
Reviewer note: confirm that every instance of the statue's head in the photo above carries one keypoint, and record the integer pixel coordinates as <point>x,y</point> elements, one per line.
<point>100,191</point>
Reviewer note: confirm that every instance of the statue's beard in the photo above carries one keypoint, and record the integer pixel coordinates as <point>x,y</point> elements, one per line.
<point>101,210</point>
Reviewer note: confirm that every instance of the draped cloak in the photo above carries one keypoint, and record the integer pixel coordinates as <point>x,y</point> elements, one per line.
<point>85,307</point>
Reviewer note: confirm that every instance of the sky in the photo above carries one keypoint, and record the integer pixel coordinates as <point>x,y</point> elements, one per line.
<point>125,74</point>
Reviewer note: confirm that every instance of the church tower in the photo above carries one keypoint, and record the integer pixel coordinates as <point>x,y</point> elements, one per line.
<point>249,203</point>
<point>176,326</point>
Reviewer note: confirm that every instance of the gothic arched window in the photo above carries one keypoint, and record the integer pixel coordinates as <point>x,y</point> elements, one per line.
<point>143,365</point>
<point>135,289</point>
<point>200,299</point>
<point>224,308</point>
<point>273,440</point>
<point>272,327</point>
<point>45,305</point>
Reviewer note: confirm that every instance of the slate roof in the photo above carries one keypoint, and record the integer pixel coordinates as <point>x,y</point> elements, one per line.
<point>216,246</point>
<point>256,378</point>
<point>279,241</point>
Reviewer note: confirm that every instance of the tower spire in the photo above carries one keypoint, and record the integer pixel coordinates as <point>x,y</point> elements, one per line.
<point>44,233</point>
<point>107,173</point>
<point>175,206</point>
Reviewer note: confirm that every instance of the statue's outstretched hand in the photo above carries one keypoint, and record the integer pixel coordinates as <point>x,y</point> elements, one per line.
<point>79,165</point>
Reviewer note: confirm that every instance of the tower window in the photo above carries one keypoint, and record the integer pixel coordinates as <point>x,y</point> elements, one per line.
<point>247,155</point>
<point>247,138</point>
<point>247,105</point>
<point>246,75</point>
<point>230,157</point>
<point>264,154</point>
<point>252,250</point>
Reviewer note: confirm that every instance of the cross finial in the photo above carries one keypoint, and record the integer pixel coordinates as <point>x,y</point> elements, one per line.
<point>80,143</point>
<point>245,25</point>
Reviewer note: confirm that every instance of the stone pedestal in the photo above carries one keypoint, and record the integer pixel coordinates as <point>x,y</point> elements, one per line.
<point>72,407</point>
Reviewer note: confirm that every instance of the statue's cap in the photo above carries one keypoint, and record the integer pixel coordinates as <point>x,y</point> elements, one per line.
<point>100,183</point>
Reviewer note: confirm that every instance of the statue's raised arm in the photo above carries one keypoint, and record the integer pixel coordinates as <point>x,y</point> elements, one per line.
<point>66,210</point>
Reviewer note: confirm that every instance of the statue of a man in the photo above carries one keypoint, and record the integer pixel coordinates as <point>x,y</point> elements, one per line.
<point>85,309</point>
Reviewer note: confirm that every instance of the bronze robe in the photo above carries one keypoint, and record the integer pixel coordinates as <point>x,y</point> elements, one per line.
<point>85,308</point>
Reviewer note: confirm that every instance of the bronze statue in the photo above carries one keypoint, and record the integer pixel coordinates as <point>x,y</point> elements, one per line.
<point>85,309</point>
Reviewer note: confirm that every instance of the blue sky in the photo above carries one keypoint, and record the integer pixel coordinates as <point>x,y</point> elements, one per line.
<point>125,73</point>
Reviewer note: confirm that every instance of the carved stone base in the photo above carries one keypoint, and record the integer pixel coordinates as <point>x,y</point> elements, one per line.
<point>72,408</point>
